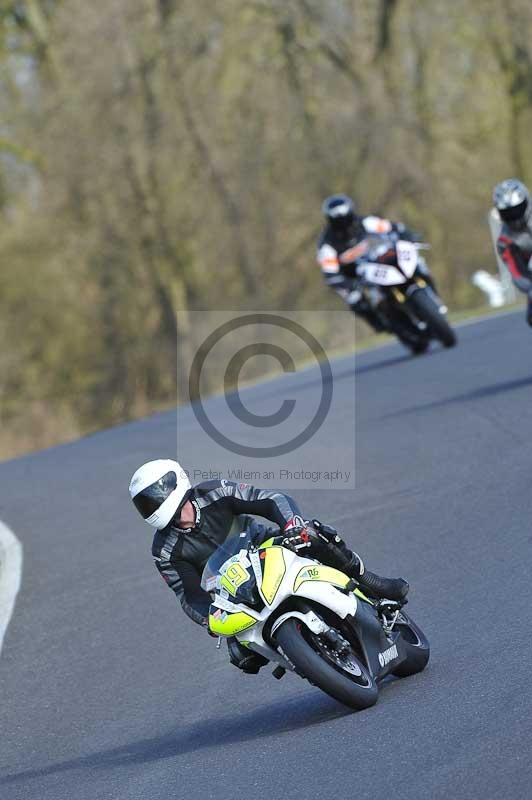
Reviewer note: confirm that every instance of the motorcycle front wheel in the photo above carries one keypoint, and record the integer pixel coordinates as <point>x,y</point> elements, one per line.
<point>427,310</point>
<point>416,345</point>
<point>400,324</point>
<point>340,674</point>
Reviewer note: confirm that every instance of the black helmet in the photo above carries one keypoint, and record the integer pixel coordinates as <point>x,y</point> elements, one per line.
<point>339,210</point>
<point>511,198</point>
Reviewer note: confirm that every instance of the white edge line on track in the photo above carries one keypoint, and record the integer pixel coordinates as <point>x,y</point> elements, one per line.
<point>10,576</point>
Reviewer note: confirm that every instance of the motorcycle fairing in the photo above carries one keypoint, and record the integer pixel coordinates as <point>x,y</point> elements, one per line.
<point>273,571</point>
<point>319,572</point>
<point>382,274</point>
<point>280,575</point>
<point>225,623</point>
<point>374,642</point>
<point>280,570</point>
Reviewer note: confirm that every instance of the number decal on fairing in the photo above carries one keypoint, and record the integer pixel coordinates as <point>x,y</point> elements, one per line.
<point>237,574</point>
<point>383,275</point>
<point>234,576</point>
<point>406,257</point>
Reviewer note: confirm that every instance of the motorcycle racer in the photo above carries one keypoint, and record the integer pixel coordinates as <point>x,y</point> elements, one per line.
<point>511,199</point>
<point>344,245</point>
<point>192,521</point>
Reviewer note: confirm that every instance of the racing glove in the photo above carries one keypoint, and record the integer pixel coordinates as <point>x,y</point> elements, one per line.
<point>296,535</point>
<point>317,540</point>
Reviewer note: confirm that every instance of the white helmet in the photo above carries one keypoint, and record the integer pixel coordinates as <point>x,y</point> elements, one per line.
<point>157,489</point>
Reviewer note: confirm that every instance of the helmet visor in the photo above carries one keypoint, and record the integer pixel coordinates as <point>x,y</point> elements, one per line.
<point>514,213</point>
<point>343,221</point>
<point>154,495</point>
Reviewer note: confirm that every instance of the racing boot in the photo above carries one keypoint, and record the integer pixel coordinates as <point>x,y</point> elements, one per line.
<point>246,660</point>
<point>349,562</point>
<point>377,586</point>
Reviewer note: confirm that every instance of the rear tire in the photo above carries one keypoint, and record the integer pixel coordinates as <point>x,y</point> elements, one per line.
<point>429,312</point>
<point>296,642</point>
<point>416,645</point>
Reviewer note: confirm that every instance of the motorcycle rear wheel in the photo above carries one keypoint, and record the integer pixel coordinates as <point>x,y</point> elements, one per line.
<point>416,645</point>
<point>326,669</point>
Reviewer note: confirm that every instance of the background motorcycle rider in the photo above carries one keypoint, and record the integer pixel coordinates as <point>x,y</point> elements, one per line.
<point>511,198</point>
<point>343,247</point>
<point>191,522</point>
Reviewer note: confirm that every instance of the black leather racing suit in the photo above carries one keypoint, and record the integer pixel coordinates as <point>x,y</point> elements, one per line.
<point>340,255</point>
<point>515,248</point>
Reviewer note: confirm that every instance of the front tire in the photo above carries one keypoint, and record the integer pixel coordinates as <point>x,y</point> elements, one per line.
<point>312,662</point>
<point>416,645</point>
<point>400,324</point>
<point>416,345</point>
<point>428,311</point>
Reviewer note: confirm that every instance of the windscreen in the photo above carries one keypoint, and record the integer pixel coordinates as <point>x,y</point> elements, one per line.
<point>229,548</point>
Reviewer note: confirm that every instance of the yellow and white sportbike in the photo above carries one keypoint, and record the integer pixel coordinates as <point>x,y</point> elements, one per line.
<point>310,619</point>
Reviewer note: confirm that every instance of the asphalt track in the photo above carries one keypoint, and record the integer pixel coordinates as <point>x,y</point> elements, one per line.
<point>108,691</point>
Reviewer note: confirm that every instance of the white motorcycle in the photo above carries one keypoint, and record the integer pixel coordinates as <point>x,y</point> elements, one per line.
<point>399,286</point>
<point>310,619</point>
